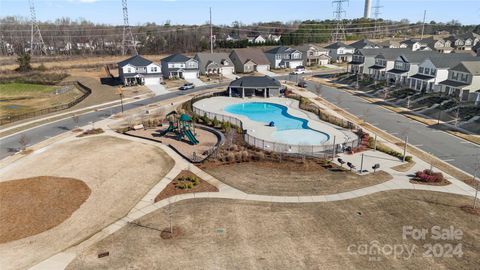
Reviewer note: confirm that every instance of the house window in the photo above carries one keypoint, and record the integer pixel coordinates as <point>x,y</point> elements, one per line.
<point>427,70</point>
<point>432,72</point>
<point>153,69</point>
<point>420,69</point>
<point>464,77</point>
<point>129,70</point>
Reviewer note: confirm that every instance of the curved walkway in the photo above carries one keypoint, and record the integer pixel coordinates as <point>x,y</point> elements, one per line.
<point>147,204</point>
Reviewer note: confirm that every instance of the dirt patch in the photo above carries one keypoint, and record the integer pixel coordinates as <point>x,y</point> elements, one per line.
<point>290,179</point>
<point>256,235</point>
<point>119,172</point>
<point>404,167</point>
<point>172,190</point>
<point>32,205</point>
<point>168,233</point>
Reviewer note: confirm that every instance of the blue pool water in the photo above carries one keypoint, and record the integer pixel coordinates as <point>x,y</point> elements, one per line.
<point>289,129</point>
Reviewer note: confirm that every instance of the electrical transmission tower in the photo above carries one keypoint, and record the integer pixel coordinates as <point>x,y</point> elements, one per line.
<point>339,13</point>
<point>377,13</point>
<point>128,42</point>
<point>36,41</point>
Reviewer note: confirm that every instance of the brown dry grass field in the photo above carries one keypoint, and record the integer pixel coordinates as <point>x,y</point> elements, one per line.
<point>231,234</point>
<point>119,173</point>
<point>33,205</point>
<point>268,178</point>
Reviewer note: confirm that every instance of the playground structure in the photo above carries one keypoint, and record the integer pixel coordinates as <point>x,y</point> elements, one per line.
<point>182,127</point>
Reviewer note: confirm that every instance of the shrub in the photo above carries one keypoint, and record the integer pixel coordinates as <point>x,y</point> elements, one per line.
<point>408,158</point>
<point>245,156</point>
<point>429,176</point>
<point>259,156</point>
<point>230,157</point>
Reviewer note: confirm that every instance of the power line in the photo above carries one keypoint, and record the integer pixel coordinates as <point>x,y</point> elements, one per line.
<point>339,33</point>
<point>36,40</point>
<point>128,41</point>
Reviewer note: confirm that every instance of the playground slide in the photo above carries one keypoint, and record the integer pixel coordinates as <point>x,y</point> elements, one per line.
<point>191,137</point>
<point>169,129</point>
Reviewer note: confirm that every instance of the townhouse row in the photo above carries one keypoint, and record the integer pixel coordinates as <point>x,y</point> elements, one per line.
<point>455,74</point>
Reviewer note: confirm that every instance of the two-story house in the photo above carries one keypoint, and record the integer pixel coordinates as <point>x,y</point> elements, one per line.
<point>434,70</point>
<point>247,60</point>
<point>214,63</point>
<point>340,52</point>
<point>284,57</point>
<point>257,39</point>
<point>138,70</point>
<point>314,55</point>
<point>384,61</point>
<point>389,44</point>
<point>180,66</point>
<point>464,42</point>
<point>364,58</point>
<point>406,65</point>
<point>463,81</point>
<point>414,45</point>
<point>364,44</point>
<point>439,45</point>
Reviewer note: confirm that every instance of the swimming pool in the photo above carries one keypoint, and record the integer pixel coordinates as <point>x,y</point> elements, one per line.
<point>288,129</point>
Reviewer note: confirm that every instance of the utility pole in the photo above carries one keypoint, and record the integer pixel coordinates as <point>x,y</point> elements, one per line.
<point>36,40</point>
<point>128,41</point>
<point>211,32</point>
<point>423,25</point>
<point>376,13</point>
<point>339,13</point>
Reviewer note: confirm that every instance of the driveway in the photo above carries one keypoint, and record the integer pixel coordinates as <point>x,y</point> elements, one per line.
<point>268,73</point>
<point>196,82</point>
<point>157,89</point>
<point>231,76</point>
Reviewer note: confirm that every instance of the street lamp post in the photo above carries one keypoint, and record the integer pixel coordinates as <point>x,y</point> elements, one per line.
<point>120,93</point>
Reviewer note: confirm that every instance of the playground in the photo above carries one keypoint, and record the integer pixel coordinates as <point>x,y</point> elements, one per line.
<point>183,135</point>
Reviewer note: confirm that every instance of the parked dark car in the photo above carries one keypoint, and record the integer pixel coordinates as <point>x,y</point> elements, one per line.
<point>302,84</point>
<point>187,86</point>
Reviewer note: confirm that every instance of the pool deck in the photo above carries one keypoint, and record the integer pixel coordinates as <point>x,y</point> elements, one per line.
<point>261,130</point>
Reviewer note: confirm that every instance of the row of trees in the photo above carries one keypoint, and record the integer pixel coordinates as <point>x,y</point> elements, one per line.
<point>66,36</point>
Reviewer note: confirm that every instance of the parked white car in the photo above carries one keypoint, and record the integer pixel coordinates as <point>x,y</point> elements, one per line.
<point>299,70</point>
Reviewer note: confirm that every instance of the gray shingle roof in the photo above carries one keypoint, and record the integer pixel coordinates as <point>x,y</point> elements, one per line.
<point>451,59</point>
<point>280,49</point>
<point>384,51</point>
<point>177,58</point>
<point>360,44</point>
<point>218,58</point>
<point>472,67</point>
<point>136,61</point>
<point>337,45</point>
<point>254,54</point>
<point>256,82</point>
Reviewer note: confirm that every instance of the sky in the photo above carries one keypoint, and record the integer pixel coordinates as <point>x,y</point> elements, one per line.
<point>245,11</point>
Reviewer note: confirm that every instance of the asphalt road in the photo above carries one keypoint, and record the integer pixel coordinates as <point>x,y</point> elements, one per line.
<point>449,148</point>
<point>443,145</point>
<point>10,145</point>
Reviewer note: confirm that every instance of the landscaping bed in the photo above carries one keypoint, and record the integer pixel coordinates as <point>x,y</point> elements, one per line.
<point>32,205</point>
<point>185,182</point>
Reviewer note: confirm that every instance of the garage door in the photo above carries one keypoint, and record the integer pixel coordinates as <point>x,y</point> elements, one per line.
<point>262,68</point>
<point>227,71</point>
<point>189,75</point>
<point>152,80</point>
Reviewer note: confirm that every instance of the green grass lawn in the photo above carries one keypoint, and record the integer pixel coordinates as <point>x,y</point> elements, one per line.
<point>15,89</point>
